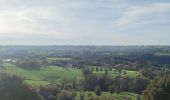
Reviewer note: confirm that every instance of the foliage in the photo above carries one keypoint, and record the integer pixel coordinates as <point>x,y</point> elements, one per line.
<point>98,90</point>
<point>67,95</point>
<point>13,88</point>
<point>139,84</point>
<point>158,89</point>
<point>111,89</point>
<point>28,64</point>
<point>106,96</point>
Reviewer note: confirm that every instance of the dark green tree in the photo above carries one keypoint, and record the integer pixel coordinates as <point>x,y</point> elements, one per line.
<point>67,95</point>
<point>92,69</point>
<point>124,72</point>
<point>106,71</point>
<point>158,89</point>
<point>81,95</point>
<point>110,68</point>
<point>29,64</point>
<point>138,97</point>
<point>86,71</point>
<point>139,84</point>
<point>98,90</point>
<point>13,88</point>
<point>101,69</point>
<point>111,89</point>
<point>97,69</point>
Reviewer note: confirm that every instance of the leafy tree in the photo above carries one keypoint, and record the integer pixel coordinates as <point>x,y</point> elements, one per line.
<point>89,81</point>
<point>50,92</point>
<point>86,71</point>
<point>13,88</point>
<point>101,69</point>
<point>81,96</point>
<point>117,90</point>
<point>98,90</point>
<point>74,85</point>
<point>116,84</point>
<point>1,63</point>
<point>67,95</point>
<point>106,71</point>
<point>124,72</point>
<point>111,89</point>
<point>120,71</point>
<point>139,84</point>
<point>110,68</point>
<point>158,89</point>
<point>97,69</point>
<point>92,69</point>
<point>125,83</point>
<point>28,64</point>
<point>148,72</point>
<point>138,97</point>
<point>103,82</point>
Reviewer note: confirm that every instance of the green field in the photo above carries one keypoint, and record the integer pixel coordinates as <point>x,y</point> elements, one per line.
<point>45,76</point>
<point>108,96</point>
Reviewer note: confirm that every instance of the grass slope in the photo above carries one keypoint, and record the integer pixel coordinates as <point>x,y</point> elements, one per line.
<point>45,76</point>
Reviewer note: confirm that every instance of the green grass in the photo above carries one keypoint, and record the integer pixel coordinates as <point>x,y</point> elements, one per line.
<point>114,96</point>
<point>45,76</point>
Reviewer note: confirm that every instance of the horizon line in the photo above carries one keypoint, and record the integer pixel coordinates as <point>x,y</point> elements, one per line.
<point>71,45</point>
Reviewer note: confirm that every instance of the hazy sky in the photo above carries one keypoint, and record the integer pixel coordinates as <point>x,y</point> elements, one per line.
<point>85,22</point>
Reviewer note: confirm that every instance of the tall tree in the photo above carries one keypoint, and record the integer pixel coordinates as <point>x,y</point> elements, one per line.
<point>158,89</point>
<point>13,88</point>
<point>98,90</point>
<point>139,84</point>
<point>111,89</point>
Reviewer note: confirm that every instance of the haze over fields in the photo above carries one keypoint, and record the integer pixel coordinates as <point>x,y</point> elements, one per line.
<point>84,22</point>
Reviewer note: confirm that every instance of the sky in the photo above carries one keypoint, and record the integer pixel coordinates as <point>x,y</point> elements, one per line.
<point>84,22</point>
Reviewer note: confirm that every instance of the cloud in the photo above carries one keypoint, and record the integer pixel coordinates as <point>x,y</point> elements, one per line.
<point>139,14</point>
<point>54,17</point>
<point>81,21</point>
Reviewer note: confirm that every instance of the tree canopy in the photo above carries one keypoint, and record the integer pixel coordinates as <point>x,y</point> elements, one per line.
<point>158,89</point>
<point>13,88</point>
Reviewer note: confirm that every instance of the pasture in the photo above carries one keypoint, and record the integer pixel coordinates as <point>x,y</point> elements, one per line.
<point>45,76</point>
